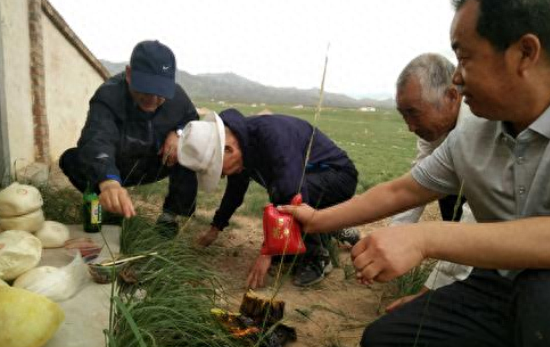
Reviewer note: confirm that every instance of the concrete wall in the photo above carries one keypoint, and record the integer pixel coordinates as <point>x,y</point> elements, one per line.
<point>14,28</point>
<point>70,83</point>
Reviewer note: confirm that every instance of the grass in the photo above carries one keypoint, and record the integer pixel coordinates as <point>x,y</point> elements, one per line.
<point>170,305</point>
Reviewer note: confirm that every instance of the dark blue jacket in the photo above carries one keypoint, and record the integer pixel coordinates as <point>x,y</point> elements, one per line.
<point>118,137</point>
<point>274,150</point>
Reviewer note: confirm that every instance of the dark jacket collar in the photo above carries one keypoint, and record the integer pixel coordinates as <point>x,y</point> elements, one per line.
<point>236,122</point>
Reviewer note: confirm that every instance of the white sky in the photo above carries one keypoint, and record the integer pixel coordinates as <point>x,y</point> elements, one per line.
<point>274,42</point>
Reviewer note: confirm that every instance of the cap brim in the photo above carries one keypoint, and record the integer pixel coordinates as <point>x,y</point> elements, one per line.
<point>153,84</point>
<point>209,180</point>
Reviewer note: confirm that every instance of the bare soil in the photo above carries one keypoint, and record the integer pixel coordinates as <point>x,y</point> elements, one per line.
<point>331,313</point>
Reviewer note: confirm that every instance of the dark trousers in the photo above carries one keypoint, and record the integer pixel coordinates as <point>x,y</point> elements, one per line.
<point>327,188</point>
<point>484,310</point>
<point>182,186</point>
<point>447,207</point>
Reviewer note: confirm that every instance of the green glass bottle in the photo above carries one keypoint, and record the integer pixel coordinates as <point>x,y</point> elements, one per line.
<point>91,212</point>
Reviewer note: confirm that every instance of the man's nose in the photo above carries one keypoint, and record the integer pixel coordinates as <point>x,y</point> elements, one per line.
<point>457,77</point>
<point>412,127</point>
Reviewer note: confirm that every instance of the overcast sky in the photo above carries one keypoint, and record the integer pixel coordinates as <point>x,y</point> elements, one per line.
<point>274,42</point>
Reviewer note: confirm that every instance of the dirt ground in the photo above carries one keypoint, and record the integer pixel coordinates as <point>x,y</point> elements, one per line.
<point>331,313</point>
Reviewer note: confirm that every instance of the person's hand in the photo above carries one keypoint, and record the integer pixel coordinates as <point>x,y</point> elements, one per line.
<point>402,301</point>
<point>206,238</point>
<point>115,198</point>
<point>388,253</point>
<point>303,214</point>
<point>169,150</point>
<point>256,276</point>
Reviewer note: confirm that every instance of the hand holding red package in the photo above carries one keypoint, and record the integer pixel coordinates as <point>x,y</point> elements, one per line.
<point>282,233</point>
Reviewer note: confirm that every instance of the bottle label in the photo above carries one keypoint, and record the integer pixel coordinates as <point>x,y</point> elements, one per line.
<point>95,212</point>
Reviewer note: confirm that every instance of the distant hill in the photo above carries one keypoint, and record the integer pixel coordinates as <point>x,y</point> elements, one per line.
<point>230,87</point>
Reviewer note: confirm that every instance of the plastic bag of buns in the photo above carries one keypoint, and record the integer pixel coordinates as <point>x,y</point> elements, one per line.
<point>20,251</point>
<point>19,199</point>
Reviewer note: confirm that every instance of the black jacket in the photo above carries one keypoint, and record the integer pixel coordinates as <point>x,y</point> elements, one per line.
<point>274,150</point>
<point>118,134</point>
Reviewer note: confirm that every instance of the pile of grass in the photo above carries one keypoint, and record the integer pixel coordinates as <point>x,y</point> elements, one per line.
<point>171,302</point>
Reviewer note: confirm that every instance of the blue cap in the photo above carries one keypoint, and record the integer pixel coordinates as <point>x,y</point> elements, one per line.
<point>153,68</point>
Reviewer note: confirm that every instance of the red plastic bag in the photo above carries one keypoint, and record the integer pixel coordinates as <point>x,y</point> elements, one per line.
<point>282,234</point>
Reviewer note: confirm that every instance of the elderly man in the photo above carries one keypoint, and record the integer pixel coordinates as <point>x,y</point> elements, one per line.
<point>431,106</point>
<point>273,151</point>
<point>502,161</point>
<point>131,135</point>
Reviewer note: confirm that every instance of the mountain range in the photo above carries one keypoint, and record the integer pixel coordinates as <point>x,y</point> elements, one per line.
<point>230,87</point>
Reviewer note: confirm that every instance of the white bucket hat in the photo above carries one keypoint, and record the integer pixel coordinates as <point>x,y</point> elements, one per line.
<point>200,149</point>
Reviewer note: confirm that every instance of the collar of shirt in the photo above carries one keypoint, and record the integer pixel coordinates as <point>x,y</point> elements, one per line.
<point>540,126</point>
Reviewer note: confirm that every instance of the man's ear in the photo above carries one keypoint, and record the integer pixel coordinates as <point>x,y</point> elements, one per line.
<point>128,74</point>
<point>530,49</point>
<point>452,94</point>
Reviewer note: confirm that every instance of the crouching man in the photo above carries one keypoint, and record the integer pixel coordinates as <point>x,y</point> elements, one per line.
<point>271,150</point>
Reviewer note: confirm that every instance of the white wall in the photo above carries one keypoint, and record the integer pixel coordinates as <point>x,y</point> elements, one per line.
<point>70,83</point>
<point>14,29</point>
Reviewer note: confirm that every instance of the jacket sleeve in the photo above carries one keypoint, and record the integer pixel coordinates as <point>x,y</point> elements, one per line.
<point>98,144</point>
<point>236,188</point>
<point>189,111</point>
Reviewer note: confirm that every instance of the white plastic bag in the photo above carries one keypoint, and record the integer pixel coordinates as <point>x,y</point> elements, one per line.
<point>31,222</point>
<point>58,284</point>
<point>19,199</point>
<point>20,251</point>
<point>53,234</point>
<point>27,319</point>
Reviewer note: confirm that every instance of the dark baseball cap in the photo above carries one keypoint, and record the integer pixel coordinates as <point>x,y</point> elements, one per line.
<point>153,68</point>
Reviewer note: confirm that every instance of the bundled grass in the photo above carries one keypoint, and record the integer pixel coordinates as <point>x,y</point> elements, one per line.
<point>62,204</point>
<point>170,304</point>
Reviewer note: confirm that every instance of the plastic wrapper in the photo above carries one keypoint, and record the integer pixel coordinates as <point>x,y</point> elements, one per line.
<point>27,319</point>
<point>19,199</point>
<point>53,234</point>
<point>20,251</point>
<point>282,233</point>
<point>32,222</point>
<point>58,284</point>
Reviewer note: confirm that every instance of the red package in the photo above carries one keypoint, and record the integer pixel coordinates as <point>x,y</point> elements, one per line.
<point>282,234</point>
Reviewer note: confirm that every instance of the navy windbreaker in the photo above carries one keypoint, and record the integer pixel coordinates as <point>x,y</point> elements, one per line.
<point>274,150</point>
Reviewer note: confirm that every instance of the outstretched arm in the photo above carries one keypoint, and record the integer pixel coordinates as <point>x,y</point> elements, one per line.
<point>390,252</point>
<point>381,201</point>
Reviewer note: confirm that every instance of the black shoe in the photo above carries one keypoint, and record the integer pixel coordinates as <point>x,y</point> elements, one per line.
<point>167,226</point>
<point>348,236</point>
<point>312,272</point>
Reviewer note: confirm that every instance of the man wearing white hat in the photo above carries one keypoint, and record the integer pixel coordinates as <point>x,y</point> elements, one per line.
<point>271,150</point>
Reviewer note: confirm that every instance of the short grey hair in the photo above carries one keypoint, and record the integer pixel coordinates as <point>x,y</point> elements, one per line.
<point>434,73</point>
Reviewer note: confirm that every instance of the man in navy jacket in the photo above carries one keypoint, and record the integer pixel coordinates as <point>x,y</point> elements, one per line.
<point>271,150</point>
<point>131,134</point>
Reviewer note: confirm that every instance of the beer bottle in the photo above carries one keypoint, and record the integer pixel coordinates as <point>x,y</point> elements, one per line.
<point>91,211</point>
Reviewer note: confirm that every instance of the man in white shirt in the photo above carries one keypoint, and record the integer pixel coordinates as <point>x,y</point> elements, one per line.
<point>432,107</point>
<point>500,160</point>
